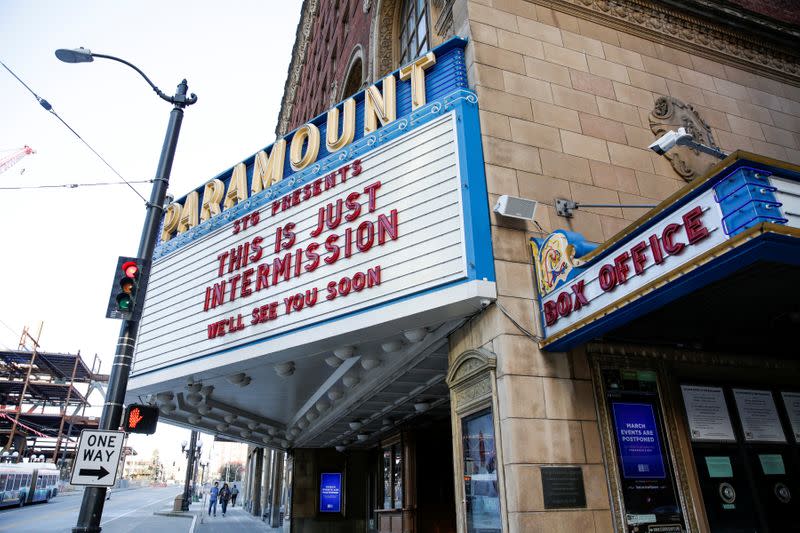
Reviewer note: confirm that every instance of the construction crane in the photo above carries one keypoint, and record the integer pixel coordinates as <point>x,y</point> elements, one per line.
<point>11,160</point>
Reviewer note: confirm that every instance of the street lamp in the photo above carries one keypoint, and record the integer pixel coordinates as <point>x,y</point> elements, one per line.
<point>192,452</point>
<point>111,418</point>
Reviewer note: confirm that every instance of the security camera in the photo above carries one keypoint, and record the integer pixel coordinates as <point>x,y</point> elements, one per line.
<point>667,142</point>
<point>485,302</point>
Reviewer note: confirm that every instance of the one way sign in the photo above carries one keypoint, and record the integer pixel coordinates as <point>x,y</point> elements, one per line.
<point>97,458</point>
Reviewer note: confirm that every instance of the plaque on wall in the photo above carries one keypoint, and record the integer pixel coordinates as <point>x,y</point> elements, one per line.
<point>759,417</point>
<point>707,414</point>
<point>562,487</point>
<point>791,400</point>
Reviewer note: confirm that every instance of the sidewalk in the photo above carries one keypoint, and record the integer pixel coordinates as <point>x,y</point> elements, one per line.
<point>236,519</point>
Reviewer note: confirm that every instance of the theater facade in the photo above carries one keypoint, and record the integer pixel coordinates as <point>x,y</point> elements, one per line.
<point>400,357</point>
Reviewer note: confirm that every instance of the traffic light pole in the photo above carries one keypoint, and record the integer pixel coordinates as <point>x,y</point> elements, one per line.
<point>111,418</point>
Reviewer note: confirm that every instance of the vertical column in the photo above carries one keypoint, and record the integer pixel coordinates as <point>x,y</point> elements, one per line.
<point>277,480</point>
<point>257,473</point>
<point>265,480</point>
<point>246,477</point>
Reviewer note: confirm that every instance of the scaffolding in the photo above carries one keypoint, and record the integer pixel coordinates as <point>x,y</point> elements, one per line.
<point>43,399</point>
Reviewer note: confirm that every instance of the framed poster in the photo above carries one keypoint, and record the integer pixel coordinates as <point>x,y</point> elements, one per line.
<point>637,436</point>
<point>707,414</point>
<point>759,417</point>
<point>330,492</point>
<point>791,400</point>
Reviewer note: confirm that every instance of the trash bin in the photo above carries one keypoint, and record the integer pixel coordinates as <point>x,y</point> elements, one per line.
<point>177,503</point>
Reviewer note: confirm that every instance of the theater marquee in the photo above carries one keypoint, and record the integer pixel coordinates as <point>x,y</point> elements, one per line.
<point>357,210</point>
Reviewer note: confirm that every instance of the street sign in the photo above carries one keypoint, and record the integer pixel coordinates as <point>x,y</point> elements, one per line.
<point>97,458</point>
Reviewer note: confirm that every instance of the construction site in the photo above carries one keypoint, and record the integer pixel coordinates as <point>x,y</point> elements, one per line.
<point>43,401</point>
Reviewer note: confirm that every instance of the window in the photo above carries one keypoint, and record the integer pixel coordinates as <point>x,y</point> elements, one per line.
<point>393,477</point>
<point>480,473</point>
<point>413,30</point>
<point>354,79</point>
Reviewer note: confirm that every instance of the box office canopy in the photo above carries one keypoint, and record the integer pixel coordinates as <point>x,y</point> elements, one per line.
<point>713,266</point>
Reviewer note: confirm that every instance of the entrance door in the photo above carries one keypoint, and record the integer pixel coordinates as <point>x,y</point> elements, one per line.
<point>746,465</point>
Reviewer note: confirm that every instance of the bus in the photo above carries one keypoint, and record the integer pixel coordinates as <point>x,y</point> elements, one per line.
<point>24,483</point>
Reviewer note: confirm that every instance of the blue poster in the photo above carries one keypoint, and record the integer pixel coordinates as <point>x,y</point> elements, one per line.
<point>330,493</point>
<point>637,435</point>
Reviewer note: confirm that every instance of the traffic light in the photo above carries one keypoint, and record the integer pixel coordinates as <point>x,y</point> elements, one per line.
<point>140,419</point>
<point>128,289</point>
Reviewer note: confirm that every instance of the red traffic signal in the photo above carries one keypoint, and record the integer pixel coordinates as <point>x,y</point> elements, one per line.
<point>127,292</point>
<point>140,419</point>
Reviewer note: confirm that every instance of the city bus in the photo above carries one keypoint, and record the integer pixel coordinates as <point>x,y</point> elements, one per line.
<point>23,483</point>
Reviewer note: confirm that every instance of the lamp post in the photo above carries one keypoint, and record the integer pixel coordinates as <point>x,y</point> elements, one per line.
<point>94,497</point>
<point>192,452</point>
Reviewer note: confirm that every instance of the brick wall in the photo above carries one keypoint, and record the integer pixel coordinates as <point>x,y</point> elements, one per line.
<point>564,113</point>
<point>340,25</point>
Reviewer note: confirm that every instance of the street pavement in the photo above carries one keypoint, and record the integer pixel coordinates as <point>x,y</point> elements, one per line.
<point>127,511</point>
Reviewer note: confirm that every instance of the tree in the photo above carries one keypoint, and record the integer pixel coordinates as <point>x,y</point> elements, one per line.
<point>231,471</point>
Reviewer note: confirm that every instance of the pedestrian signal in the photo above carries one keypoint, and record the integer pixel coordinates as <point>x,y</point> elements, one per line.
<point>128,291</point>
<point>140,419</point>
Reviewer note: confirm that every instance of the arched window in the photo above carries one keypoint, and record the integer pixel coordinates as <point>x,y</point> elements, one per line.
<point>412,35</point>
<point>354,80</point>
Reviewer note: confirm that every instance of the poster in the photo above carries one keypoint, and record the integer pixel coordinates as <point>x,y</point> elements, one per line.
<point>707,413</point>
<point>330,493</point>
<point>791,400</point>
<point>758,415</point>
<point>639,445</point>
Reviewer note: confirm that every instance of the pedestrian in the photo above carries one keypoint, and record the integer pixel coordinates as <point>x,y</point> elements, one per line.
<point>224,497</point>
<point>212,498</point>
<point>234,494</point>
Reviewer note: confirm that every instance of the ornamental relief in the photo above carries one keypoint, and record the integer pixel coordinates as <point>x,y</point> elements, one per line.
<point>670,113</point>
<point>478,390</point>
<point>684,32</point>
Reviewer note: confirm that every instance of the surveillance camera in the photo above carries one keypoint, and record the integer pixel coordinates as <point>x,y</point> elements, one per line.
<point>667,142</point>
<point>485,302</point>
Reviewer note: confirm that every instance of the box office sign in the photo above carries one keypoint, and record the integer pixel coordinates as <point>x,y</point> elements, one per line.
<point>313,230</point>
<point>586,290</point>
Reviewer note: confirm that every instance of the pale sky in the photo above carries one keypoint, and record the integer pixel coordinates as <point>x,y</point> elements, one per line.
<point>59,246</point>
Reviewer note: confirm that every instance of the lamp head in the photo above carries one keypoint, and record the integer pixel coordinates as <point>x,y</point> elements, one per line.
<point>75,55</point>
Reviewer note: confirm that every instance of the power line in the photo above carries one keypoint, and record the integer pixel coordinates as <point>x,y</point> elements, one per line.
<point>72,185</point>
<point>46,105</point>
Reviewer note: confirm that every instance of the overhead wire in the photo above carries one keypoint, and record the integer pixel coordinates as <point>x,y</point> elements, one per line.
<point>73,185</point>
<point>49,108</point>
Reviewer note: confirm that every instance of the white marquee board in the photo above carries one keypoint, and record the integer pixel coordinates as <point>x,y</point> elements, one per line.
<point>419,178</point>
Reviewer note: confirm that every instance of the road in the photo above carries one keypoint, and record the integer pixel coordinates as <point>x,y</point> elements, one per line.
<point>127,511</point>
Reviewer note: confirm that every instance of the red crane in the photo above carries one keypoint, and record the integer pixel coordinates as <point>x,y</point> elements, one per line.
<point>11,160</point>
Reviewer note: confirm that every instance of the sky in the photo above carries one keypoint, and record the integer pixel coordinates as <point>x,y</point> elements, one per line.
<point>59,246</point>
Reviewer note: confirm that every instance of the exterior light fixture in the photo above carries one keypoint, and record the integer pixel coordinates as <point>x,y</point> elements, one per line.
<point>333,361</point>
<point>266,440</point>
<point>421,407</point>
<point>335,394</point>
<point>391,346</point>
<point>230,419</point>
<point>350,381</point>
<point>285,369</point>
<point>513,207</point>
<point>355,425</point>
<point>345,352</point>
<point>415,335</point>
<point>370,362</point>
<point>340,448</point>
<point>362,437</point>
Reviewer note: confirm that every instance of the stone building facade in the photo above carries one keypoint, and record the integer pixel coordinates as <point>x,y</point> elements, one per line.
<point>568,94</point>
<point>521,415</point>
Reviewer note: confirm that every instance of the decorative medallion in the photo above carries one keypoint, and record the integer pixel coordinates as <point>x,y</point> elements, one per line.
<point>670,113</point>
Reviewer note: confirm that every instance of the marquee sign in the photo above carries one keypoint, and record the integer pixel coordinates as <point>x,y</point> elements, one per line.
<point>586,290</point>
<point>308,232</point>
